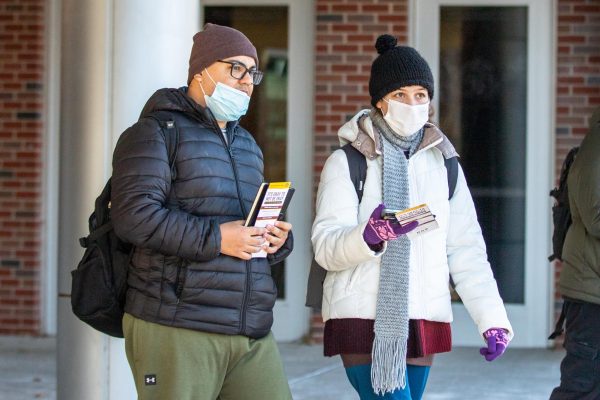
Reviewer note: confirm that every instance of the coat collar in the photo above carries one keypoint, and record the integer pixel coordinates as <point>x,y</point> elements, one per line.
<point>360,132</point>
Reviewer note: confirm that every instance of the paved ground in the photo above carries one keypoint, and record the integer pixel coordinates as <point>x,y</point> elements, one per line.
<point>28,367</point>
<point>462,374</point>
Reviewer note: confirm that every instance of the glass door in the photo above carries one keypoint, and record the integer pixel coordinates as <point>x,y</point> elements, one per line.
<point>482,109</point>
<point>487,100</point>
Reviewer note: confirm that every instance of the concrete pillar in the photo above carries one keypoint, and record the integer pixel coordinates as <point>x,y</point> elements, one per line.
<point>115,54</point>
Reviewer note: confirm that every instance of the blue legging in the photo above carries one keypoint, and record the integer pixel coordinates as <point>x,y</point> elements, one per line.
<point>416,379</point>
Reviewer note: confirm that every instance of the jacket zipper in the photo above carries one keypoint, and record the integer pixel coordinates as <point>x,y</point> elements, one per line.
<point>244,213</point>
<point>417,245</point>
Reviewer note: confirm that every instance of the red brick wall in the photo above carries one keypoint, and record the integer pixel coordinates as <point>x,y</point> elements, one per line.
<point>578,71</point>
<point>22,24</point>
<point>578,76</point>
<point>345,48</point>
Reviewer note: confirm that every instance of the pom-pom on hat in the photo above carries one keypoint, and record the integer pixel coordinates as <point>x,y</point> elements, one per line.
<point>396,67</point>
<point>216,42</point>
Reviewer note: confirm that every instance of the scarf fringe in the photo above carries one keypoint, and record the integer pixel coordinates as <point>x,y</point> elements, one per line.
<point>388,371</point>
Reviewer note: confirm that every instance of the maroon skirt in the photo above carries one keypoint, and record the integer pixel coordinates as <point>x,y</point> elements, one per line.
<point>355,336</point>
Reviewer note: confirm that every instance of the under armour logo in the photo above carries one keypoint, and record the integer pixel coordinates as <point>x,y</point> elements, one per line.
<point>150,380</point>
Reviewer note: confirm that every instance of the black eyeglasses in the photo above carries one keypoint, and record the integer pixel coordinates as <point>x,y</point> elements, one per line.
<point>239,70</point>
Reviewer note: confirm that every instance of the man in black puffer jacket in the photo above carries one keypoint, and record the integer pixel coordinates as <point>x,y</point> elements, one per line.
<point>199,307</point>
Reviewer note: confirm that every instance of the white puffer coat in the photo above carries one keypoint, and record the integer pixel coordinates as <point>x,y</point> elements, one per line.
<point>456,249</point>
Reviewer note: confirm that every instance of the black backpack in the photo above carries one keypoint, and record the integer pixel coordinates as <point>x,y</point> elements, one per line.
<point>357,164</point>
<point>561,213</point>
<point>99,283</point>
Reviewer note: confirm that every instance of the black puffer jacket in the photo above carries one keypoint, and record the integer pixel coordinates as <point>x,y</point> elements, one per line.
<point>177,276</point>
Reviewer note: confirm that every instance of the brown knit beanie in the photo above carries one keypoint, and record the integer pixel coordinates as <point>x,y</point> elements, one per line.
<point>216,42</point>
<point>396,67</point>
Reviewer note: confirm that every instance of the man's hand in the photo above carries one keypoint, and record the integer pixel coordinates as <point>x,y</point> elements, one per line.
<point>241,241</point>
<point>277,235</point>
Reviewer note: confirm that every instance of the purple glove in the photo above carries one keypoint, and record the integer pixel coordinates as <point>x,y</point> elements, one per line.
<point>497,341</point>
<point>379,230</point>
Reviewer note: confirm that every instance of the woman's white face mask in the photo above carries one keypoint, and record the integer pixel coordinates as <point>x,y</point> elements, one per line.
<point>404,119</point>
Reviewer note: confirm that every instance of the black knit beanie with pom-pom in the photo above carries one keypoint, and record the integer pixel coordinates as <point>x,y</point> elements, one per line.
<point>396,67</point>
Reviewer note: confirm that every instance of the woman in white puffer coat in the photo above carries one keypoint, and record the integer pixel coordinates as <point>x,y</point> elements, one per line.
<point>386,301</point>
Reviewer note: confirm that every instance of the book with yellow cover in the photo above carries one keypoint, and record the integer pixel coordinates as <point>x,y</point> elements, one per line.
<point>270,204</point>
<point>420,213</point>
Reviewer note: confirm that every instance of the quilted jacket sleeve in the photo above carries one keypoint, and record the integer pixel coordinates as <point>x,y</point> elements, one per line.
<point>337,238</point>
<point>584,187</point>
<point>468,263</point>
<point>141,183</point>
<point>283,252</point>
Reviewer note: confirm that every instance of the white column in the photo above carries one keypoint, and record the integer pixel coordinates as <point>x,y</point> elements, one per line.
<point>115,54</point>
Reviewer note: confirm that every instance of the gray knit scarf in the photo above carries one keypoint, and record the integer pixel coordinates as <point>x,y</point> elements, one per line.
<point>388,371</point>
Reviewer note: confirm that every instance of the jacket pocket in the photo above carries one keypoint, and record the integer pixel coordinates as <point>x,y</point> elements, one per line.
<point>354,277</point>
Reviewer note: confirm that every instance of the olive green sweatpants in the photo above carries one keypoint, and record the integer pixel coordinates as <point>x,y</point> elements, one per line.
<point>181,364</point>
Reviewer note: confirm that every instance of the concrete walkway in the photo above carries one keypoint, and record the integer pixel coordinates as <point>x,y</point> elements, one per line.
<point>28,368</point>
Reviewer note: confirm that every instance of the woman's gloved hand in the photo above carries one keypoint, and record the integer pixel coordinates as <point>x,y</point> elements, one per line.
<point>379,230</point>
<point>497,341</point>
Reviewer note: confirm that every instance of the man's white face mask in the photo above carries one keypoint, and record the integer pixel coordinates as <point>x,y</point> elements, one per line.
<point>405,119</point>
<point>226,103</point>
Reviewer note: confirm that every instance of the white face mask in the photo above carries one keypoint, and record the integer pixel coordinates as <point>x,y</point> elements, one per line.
<point>404,119</point>
<point>226,103</point>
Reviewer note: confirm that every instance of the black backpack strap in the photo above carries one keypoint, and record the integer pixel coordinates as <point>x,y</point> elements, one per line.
<point>314,288</point>
<point>452,171</point>
<point>357,164</point>
<point>95,234</point>
<point>567,163</point>
<point>564,172</point>
<point>559,328</point>
<point>167,123</point>
<point>99,222</point>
